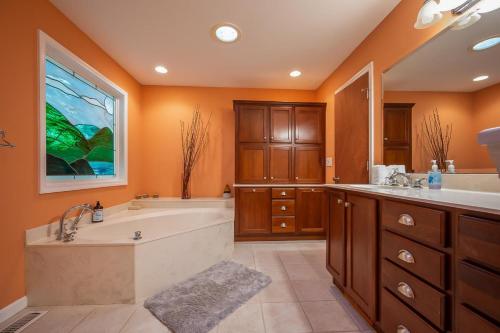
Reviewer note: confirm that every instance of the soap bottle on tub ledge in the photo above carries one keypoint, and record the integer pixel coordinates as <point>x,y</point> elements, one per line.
<point>98,213</point>
<point>434,177</point>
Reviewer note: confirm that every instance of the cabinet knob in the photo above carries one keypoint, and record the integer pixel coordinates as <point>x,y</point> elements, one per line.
<point>272,138</point>
<point>283,225</point>
<point>283,194</point>
<point>405,290</point>
<point>347,204</point>
<point>340,201</point>
<point>386,139</point>
<point>296,177</point>
<point>312,190</point>
<point>283,208</point>
<point>406,256</point>
<point>406,220</point>
<point>253,190</point>
<point>272,177</point>
<point>402,329</point>
<point>265,138</point>
<point>265,177</point>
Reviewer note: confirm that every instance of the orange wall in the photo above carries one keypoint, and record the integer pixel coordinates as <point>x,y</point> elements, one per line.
<point>21,207</point>
<point>487,106</point>
<point>392,40</point>
<point>164,107</point>
<point>454,108</point>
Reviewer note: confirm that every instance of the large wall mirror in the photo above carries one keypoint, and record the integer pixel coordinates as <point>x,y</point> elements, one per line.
<point>440,97</point>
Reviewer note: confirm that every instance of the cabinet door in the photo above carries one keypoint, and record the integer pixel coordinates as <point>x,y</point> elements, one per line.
<point>361,252</point>
<point>281,124</point>
<point>251,164</point>
<point>336,240</point>
<point>252,124</point>
<point>254,211</point>
<point>309,123</point>
<point>280,164</point>
<point>310,210</point>
<point>308,165</point>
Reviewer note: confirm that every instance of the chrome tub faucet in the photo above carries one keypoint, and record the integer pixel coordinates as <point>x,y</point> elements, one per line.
<point>67,230</point>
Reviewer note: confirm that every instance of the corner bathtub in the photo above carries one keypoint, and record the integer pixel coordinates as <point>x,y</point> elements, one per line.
<point>105,265</point>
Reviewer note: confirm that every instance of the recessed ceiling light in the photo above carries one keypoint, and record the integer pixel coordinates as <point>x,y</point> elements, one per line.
<point>295,73</point>
<point>161,69</point>
<point>480,78</point>
<point>486,43</point>
<point>226,33</point>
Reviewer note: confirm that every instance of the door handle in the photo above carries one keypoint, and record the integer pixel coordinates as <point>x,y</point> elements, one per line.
<point>336,180</point>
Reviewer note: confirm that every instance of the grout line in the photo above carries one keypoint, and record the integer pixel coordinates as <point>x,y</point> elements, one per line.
<point>83,319</point>
<point>128,319</point>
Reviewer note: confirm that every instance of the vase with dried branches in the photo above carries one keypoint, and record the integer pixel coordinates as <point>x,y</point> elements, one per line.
<point>194,137</point>
<point>435,138</point>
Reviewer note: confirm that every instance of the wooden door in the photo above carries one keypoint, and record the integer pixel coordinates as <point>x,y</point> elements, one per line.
<point>309,124</point>
<point>398,134</point>
<point>352,133</point>
<point>253,210</point>
<point>251,164</point>
<point>310,210</point>
<point>280,164</point>
<point>252,123</point>
<point>281,124</point>
<point>336,240</point>
<point>361,252</point>
<point>308,166</point>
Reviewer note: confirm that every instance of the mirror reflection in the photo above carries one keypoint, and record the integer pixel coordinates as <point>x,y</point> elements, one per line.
<point>439,98</point>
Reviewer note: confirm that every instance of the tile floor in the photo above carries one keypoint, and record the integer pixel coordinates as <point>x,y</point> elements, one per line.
<point>301,298</point>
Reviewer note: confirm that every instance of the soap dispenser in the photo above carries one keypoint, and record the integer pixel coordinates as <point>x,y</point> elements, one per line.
<point>434,177</point>
<point>97,213</point>
<point>451,166</point>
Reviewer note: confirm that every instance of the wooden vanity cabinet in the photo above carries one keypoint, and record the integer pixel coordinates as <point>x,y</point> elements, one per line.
<point>311,210</point>
<point>252,163</point>
<point>252,123</point>
<point>336,237</point>
<point>253,211</point>
<point>308,164</point>
<point>309,124</point>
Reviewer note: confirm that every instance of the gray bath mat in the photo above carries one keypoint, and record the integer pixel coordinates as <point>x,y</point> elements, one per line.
<point>198,304</point>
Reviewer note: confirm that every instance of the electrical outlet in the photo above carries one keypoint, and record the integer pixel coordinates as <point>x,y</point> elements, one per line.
<point>329,161</point>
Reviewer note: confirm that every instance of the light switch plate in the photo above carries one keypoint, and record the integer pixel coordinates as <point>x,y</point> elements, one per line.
<point>329,161</point>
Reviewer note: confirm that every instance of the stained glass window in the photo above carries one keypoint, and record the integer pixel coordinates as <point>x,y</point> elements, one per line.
<point>80,124</point>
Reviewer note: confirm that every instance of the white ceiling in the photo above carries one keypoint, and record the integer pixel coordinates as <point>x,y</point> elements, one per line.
<point>314,36</point>
<point>447,64</point>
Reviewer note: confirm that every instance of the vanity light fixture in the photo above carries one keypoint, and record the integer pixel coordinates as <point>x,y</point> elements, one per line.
<point>295,73</point>
<point>480,78</point>
<point>466,21</point>
<point>446,5</point>
<point>486,43</point>
<point>428,15</point>
<point>161,69</point>
<point>226,32</point>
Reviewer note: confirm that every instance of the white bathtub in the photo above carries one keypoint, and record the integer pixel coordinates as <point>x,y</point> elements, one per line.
<point>105,265</point>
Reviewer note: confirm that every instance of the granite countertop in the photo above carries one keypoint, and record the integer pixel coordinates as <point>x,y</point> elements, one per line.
<point>488,202</point>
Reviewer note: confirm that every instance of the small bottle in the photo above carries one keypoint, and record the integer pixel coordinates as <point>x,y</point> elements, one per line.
<point>98,214</point>
<point>434,177</point>
<point>451,166</point>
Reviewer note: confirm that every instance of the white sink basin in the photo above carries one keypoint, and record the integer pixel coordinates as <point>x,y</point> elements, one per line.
<point>379,187</point>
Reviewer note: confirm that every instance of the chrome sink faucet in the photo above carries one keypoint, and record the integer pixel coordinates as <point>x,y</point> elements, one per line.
<point>393,179</point>
<point>67,230</point>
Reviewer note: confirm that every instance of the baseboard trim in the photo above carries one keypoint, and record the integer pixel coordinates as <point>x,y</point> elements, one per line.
<point>13,308</point>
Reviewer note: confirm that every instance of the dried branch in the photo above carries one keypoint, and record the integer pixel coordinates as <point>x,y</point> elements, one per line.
<point>434,139</point>
<point>194,139</point>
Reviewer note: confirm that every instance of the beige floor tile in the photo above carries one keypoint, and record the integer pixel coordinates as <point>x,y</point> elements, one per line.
<point>358,319</point>
<point>292,257</point>
<point>142,321</point>
<point>106,319</point>
<point>248,319</point>
<point>271,258</point>
<point>285,318</point>
<point>277,273</point>
<point>59,319</point>
<point>301,272</point>
<point>321,271</point>
<point>278,291</point>
<point>328,316</point>
<point>310,290</point>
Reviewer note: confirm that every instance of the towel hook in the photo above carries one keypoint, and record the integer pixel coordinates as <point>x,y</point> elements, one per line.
<point>3,140</point>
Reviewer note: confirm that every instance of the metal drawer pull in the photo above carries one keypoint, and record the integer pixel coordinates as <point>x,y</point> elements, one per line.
<point>340,201</point>
<point>402,329</point>
<point>407,220</point>
<point>283,225</point>
<point>283,194</point>
<point>253,190</point>
<point>406,256</point>
<point>283,208</point>
<point>405,290</point>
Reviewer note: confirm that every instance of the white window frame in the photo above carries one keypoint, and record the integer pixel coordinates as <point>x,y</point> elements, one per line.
<point>48,47</point>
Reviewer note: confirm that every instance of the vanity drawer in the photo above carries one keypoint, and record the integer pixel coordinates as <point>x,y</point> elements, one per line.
<point>396,317</point>
<point>426,224</point>
<point>283,225</point>
<point>283,193</point>
<point>479,289</point>
<point>283,207</point>
<point>420,296</point>
<point>479,239</point>
<point>425,262</point>
<point>471,322</point>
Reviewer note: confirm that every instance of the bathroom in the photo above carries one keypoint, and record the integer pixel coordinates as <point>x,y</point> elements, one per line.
<point>316,127</point>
